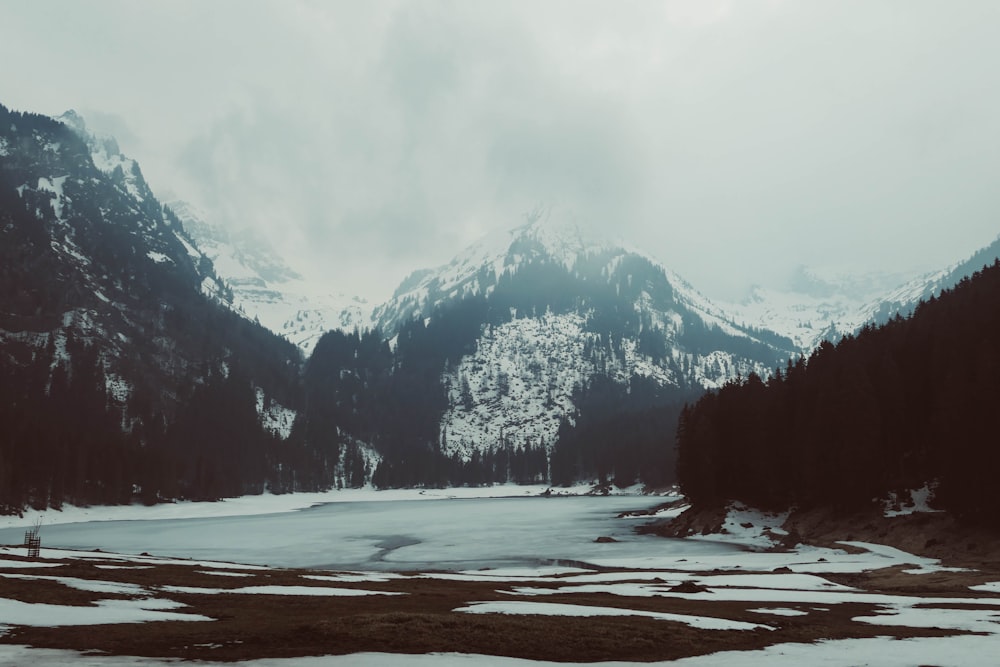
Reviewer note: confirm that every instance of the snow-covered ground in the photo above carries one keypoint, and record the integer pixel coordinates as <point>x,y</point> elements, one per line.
<point>446,529</point>
<point>457,530</point>
<point>267,503</point>
<point>798,595</point>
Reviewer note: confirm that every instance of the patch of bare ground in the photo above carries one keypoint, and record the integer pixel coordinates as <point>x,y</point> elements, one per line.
<point>699,520</point>
<point>934,535</point>
<point>422,619</point>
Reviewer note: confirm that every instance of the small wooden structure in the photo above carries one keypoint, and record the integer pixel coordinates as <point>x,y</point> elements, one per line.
<point>33,540</point>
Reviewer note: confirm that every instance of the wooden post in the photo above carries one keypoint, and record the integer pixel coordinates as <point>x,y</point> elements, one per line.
<point>33,540</point>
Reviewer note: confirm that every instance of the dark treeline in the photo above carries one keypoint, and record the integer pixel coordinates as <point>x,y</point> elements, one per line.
<point>892,408</point>
<point>67,440</point>
<point>621,434</point>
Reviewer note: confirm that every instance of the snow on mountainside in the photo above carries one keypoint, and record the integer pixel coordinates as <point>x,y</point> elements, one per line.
<point>544,236</point>
<point>151,218</point>
<point>519,383</point>
<point>904,299</point>
<point>477,269</point>
<point>107,157</point>
<point>571,309</point>
<point>814,308</point>
<point>95,267</point>
<point>266,288</point>
<point>240,271</point>
<point>168,242</point>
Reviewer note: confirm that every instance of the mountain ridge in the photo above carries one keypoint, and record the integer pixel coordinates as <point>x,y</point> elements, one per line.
<point>109,321</point>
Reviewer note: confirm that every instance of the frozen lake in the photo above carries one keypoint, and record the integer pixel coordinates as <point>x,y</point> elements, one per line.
<point>446,534</point>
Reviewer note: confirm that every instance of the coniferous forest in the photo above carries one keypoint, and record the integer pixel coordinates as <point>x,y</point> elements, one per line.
<point>895,407</point>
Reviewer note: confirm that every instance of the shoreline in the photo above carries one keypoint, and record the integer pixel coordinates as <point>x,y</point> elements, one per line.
<point>268,503</point>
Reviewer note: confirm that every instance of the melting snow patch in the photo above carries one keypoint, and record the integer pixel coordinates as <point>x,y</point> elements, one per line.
<point>919,502</point>
<point>513,573</point>
<point>355,577</point>
<point>749,527</point>
<point>317,591</point>
<point>4,562</point>
<point>968,620</point>
<point>991,587</point>
<point>554,609</point>
<point>780,611</point>
<point>672,512</point>
<point>15,612</point>
<point>115,587</point>
<point>899,557</point>
<point>790,582</point>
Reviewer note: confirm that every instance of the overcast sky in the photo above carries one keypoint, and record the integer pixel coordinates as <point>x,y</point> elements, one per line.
<point>732,140</point>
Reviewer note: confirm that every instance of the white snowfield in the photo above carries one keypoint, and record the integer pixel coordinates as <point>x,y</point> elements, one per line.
<point>717,574</point>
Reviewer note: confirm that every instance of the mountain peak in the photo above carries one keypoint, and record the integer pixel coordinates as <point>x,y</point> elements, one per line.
<point>73,120</point>
<point>546,234</point>
<point>562,235</point>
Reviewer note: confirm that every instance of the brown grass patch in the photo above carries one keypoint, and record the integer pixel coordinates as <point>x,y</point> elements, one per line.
<point>423,620</point>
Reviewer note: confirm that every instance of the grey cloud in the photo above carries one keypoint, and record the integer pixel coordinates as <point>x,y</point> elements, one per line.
<point>734,140</point>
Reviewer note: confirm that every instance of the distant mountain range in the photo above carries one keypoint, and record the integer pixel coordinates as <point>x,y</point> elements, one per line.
<point>815,309</point>
<point>538,354</point>
<point>265,288</point>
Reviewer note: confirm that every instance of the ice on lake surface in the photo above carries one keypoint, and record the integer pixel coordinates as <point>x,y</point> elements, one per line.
<point>447,534</point>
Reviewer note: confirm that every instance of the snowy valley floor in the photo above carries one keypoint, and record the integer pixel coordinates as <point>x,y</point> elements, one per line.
<point>852,603</point>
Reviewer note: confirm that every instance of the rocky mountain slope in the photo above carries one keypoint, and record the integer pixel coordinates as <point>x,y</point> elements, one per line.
<point>528,323</point>
<point>110,319</point>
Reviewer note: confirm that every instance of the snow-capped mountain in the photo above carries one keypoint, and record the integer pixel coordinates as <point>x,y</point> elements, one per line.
<point>814,308</point>
<point>263,287</point>
<point>559,310</point>
<point>245,273</point>
<point>904,298</point>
